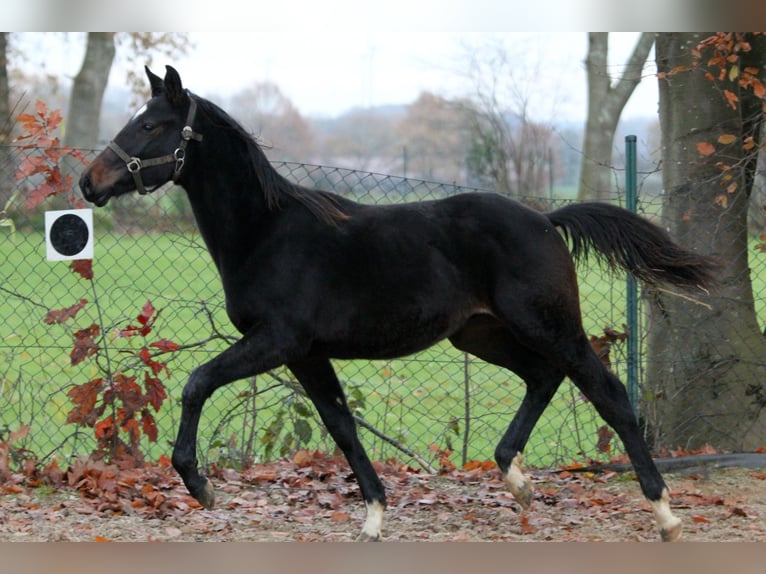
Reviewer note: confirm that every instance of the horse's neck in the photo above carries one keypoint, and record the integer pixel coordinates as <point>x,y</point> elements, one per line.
<point>228,215</point>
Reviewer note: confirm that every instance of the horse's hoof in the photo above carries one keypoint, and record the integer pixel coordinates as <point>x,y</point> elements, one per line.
<point>364,537</point>
<point>672,534</point>
<point>206,496</point>
<point>524,495</point>
<point>519,485</point>
<point>670,526</point>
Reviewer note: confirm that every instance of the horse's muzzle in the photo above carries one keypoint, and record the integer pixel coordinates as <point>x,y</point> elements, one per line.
<point>90,194</point>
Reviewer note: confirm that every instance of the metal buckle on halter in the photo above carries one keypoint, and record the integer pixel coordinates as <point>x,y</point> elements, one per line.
<point>134,164</point>
<point>187,132</point>
<point>179,155</point>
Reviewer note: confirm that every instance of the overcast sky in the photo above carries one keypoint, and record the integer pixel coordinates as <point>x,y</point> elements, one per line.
<point>325,74</point>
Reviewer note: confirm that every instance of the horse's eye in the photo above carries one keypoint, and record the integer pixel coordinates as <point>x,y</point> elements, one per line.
<point>147,127</point>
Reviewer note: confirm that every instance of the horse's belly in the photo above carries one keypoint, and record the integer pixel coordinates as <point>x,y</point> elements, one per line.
<point>390,336</point>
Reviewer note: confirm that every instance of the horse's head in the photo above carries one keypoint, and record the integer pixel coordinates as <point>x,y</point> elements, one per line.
<point>150,150</point>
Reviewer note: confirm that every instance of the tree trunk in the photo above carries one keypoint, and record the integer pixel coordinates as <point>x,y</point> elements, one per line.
<point>706,359</point>
<point>88,91</point>
<point>7,165</point>
<point>605,104</point>
<point>5,95</point>
<point>83,120</point>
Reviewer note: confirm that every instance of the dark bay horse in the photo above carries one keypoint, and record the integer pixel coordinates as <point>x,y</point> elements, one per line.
<point>310,276</point>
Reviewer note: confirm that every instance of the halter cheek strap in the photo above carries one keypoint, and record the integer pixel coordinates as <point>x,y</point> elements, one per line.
<point>135,164</point>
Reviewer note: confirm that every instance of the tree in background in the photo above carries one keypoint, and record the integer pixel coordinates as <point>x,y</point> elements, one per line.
<point>361,139</point>
<point>5,92</point>
<point>90,83</point>
<point>84,116</point>
<point>606,100</point>
<point>82,121</point>
<point>88,90</point>
<point>707,357</point>
<point>6,124</point>
<point>508,150</point>
<point>267,112</point>
<point>434,132</point>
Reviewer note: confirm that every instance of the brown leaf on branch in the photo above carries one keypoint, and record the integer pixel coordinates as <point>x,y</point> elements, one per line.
<point>83,267</point>
<point>731,99</point>
<point>58,316</point>
<point>165,345</point>
<point>145,322</point>
<point>705,148</point>
<point>85,397</point>
<point>155,391</point>
<point>84,345</point>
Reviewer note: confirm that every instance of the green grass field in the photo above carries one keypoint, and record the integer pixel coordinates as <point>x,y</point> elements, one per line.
<point>418,401</point>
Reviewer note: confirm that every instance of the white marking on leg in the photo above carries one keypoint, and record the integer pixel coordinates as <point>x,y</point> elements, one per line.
<point>518,484</point>
<point>374,522</point>
<point>668,523</point>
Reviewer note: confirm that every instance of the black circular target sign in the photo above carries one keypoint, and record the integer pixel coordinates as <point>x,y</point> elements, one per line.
<point>69,234</point>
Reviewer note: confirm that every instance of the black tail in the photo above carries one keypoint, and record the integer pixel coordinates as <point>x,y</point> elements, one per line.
<point>625,240</point>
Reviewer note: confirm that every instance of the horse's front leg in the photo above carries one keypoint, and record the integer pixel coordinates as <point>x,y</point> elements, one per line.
<point>255,353</point>
<point>323,388</point>
<point>199,387</point>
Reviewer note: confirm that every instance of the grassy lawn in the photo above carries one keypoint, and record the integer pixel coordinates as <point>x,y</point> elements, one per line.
<point>418,401</point>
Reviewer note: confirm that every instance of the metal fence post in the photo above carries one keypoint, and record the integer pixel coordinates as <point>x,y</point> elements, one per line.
<point>631,199</point>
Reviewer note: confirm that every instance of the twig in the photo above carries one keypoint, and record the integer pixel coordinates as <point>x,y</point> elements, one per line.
<point>24,298</point>
<point>685,298</point>
<point>396,444</point>
<point>363,423</point>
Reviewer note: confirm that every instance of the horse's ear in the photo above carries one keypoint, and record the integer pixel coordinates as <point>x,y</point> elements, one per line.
<point>156,83</point>
<point>173,88</point>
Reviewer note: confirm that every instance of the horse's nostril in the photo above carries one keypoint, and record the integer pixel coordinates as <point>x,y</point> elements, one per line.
<point>85,184</point>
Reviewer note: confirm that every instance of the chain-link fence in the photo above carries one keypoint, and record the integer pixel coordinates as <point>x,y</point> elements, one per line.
<point>147,249</point>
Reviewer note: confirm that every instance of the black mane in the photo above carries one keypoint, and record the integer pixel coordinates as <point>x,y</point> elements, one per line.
<point>274,186</point>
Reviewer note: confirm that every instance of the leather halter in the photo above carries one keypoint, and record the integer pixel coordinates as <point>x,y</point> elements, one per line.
<point>135,164</point>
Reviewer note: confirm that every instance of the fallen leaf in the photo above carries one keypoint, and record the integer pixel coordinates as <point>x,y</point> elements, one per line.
<point>303,458</point>
<point>604,439</point>
<point>338,516</point>
<point>526,527</point>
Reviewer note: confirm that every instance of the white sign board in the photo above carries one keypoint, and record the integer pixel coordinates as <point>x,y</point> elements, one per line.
<point>69,234</point>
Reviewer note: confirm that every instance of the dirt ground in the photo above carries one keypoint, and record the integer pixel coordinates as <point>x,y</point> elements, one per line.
<point>316,499</point>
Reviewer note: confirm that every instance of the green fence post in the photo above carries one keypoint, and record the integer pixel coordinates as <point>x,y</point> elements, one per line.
<point>631,199</point>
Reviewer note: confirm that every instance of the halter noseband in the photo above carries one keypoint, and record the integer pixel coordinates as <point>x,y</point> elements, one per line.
<point>135,164</point>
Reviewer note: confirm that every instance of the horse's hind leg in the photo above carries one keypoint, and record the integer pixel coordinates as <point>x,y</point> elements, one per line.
<point>321,384</point>
<point>551,325</point>
<point>609,397</point>
<point>486,338</point>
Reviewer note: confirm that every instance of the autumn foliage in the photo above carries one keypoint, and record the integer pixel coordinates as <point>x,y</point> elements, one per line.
<point>43,169</point>
<point>720,56</point>
<point>119,404</point>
